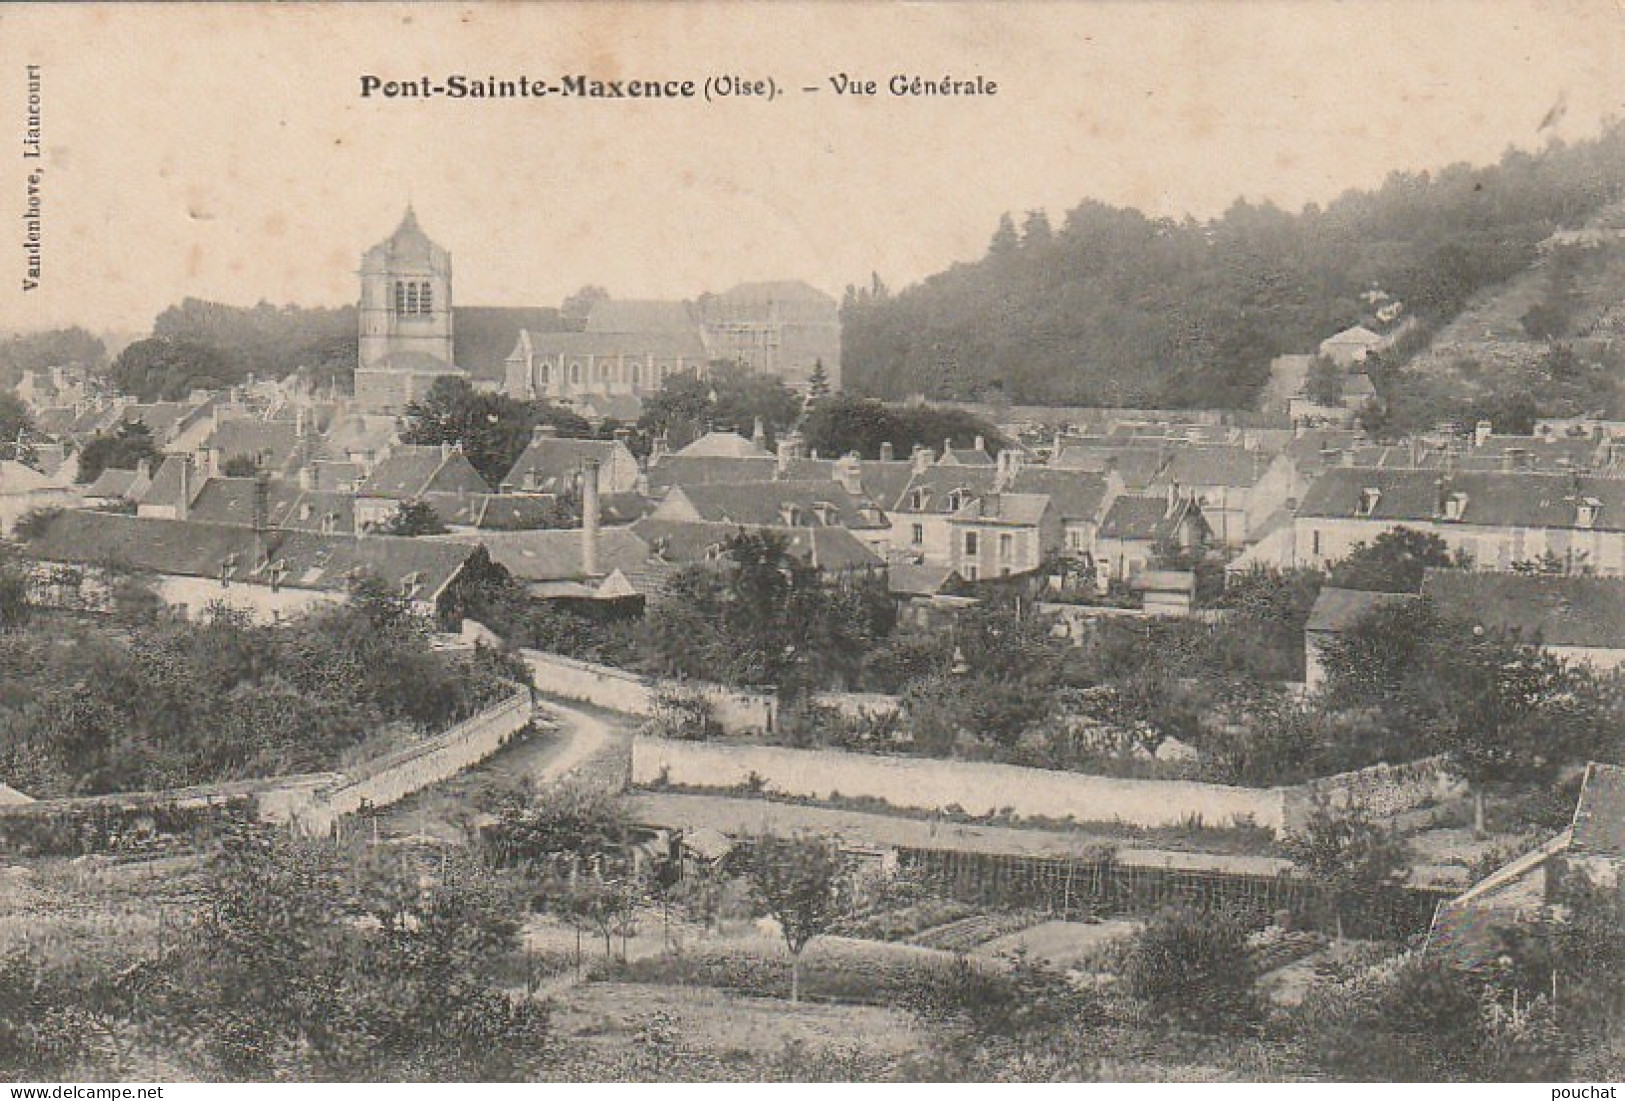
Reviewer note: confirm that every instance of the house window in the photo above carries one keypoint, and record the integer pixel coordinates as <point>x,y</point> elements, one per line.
<point>1314,543</point>
<point>970,573</point>
<point>1007,547</point>
<point>918,534</point>
<point>970,544</point>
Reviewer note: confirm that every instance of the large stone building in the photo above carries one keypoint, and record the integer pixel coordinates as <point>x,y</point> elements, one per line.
<point>406,338</point>
<point>628,348</point>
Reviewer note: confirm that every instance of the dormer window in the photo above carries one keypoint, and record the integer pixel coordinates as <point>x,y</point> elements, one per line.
<point>1454,505</point>
<point>1369,497</point>
<point>958,499</point>
<point>825,513</point>
<point>1585,512</point>
<point>411,585</point>
<point>790,514</point>
<point>917,499</point>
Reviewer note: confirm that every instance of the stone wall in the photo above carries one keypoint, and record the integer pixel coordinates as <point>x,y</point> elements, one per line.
<point>736,710</point>
<point>982,788</point>
<point>976,788</point>
<point>1383,790</point>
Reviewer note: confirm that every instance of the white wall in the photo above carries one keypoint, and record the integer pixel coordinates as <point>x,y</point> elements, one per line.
<point>930,785</point>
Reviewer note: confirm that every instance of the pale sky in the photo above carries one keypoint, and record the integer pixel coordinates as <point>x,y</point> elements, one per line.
<point>225,152</point>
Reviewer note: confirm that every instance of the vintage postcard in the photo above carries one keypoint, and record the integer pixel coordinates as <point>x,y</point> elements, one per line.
<point>812,542</point>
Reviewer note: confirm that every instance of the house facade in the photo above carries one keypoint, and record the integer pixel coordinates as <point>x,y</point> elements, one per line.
<point>1498,519</point>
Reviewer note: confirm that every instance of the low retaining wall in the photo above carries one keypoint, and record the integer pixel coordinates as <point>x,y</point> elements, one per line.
<point>735,710</point>
<point>309,803</point>
<point>391,778</point>
<point>974,787</point>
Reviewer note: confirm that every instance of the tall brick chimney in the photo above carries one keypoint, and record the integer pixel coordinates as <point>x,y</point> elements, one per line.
<point>589,517</point>
<point>183,503</point>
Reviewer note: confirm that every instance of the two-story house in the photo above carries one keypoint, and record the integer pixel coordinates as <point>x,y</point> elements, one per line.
<point>1496,518</point>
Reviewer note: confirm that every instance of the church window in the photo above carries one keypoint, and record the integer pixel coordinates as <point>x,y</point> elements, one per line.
<point>413,298</point>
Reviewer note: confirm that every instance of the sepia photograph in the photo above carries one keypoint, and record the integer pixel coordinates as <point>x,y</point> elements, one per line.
<point>817,542</point>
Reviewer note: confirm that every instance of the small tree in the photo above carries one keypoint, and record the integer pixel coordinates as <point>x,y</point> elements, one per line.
<point>794,881</point>
<point>414,518</point>
<point>1348,854</point>
<point>1394,561</point>
<point>1324,384</point>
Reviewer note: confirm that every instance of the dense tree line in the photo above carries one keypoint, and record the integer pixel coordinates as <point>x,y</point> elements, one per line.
<point>209,345</point>
<point>843,423</point>
<point>1115,308</point>
<point>729,398</point>
<point>74,347</point>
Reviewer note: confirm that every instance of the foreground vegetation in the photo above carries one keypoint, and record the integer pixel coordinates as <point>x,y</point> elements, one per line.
<point>147,701</point>
<point>319,961</point>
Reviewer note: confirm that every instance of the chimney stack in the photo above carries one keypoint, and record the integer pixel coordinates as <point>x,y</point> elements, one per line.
<point>546,432</point>
<point>849,472</point>
<point>589,517</point>
<point>981,444</point>
<point>1482,431</point>
<point>947,446</point>
<point>184,503</point>
<point>922,458</point>
<point>886,452</point>
<point>262,516</point>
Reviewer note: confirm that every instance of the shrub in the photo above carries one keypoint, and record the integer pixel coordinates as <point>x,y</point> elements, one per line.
<point>1193,967</point>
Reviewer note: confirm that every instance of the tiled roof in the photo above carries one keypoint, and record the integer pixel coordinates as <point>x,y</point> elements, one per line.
<point>779,290</point>
<point>231,501</point>
<point>687,543</point>
<point>556,555</point>
<point>937,483</point>
<point>165,489</point>
<point>964,456</point>
<point>763,504</point>
<point>660,345</point>
<point>625,408</point>
<point>1558,611</point>
<point>557,460</point>
<point>908,579</point>
<point>641,315</point>
<point>723,445</point>
<point>187,549</point>
<point>410,471</point>
<point>1520,499</point>
<point>111,482</point>
<point>1337,610</point>
<point>513,511</point>
<point>1075,494</point>
<point>1599,819</point>
<point>15,477</point>
<point>1133,517</point>
<point>1018,509</point>
<point>689,470</point>
<point>1215,466</point>
<point>360,432</point>
<point>1137,465</point>
<point>486,334</point>
<point>276,444</point>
